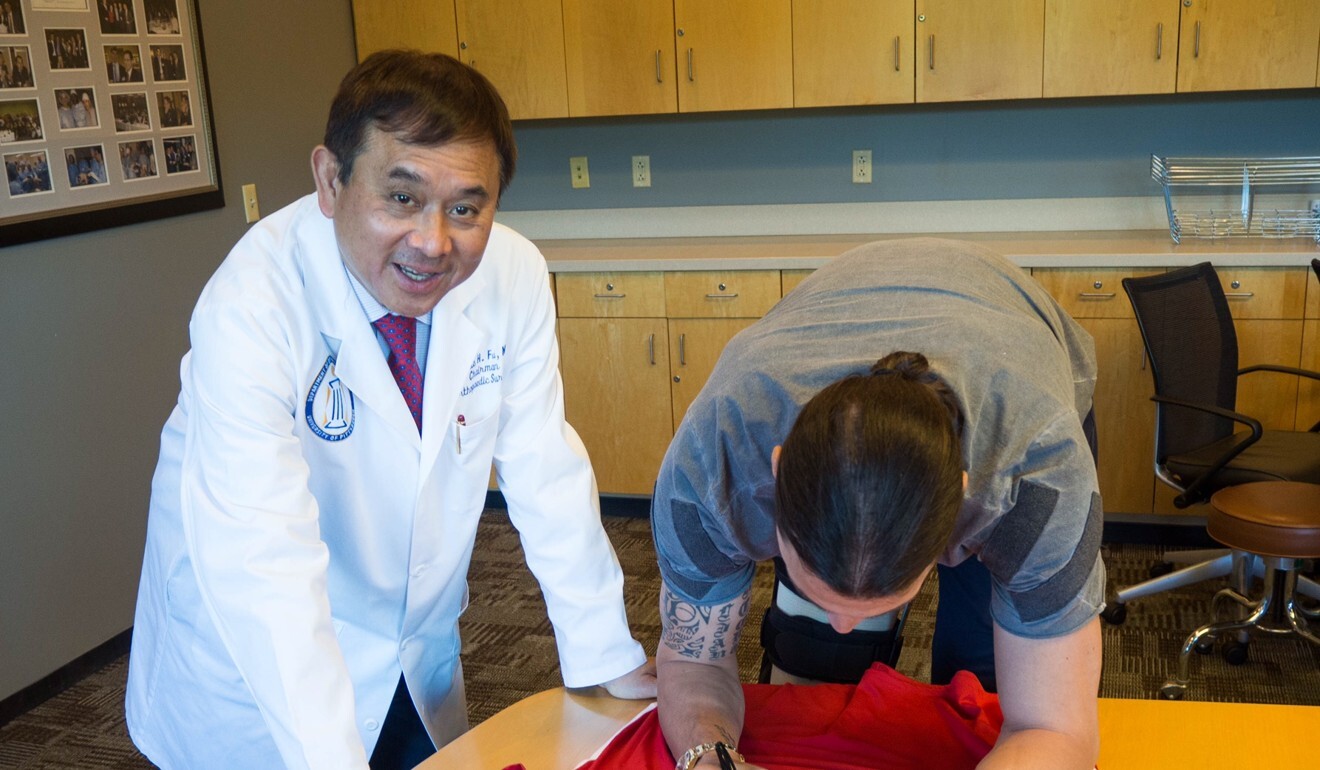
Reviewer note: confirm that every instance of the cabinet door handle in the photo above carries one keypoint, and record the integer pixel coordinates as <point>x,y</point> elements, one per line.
<point>659,76</point>
<point>609,296</point>
<point>692,75</point>
<point>1196,46</point>
<point>1239,294</point>
<point>931,53</point>
<point>1097,294</point>
<point>650,349</point>
<point>682,350</point>
<point>722,296</point>
<point>897,63</point>
<point>1159,42</point>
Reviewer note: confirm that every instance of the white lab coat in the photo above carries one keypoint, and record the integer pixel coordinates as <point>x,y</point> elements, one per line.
<point>305,545</point>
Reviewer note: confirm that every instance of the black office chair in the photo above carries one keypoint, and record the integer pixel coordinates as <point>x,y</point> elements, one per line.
<point>1188,331</point>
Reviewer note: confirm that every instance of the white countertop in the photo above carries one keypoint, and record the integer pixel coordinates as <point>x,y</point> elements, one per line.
<point>1096,248</point>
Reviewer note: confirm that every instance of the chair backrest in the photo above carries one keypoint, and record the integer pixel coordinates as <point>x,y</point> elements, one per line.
<point>1188,331</point>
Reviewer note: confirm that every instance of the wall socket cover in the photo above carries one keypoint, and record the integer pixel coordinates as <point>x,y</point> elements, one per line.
<point>578,174</point>
<point>641,171</point>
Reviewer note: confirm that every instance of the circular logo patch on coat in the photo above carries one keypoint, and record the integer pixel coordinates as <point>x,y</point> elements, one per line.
<point>330,412</point>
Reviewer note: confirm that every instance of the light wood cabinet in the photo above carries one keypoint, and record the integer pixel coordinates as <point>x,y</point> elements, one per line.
<point>789,279</point>
<point>734,54</point>
<point>614,359</point>
<point>620,57</point>
<point>1231,45</point>
<point>636,348</point>
<point>1267,306</point>
<point>695,347</point>
<point>1124,413</point>
<point>852,52</point>
<point>706,309</point>
<point>427,25</point>
<point>519,46</point>
<point>1308,390</point>
<point>586,58</point>
<point>1110,47</point>
<point>973,51</point>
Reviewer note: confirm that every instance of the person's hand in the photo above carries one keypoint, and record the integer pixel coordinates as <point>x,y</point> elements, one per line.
<point>638,684</point>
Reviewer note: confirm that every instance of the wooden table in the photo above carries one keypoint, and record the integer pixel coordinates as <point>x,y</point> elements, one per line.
<point>557,729</point>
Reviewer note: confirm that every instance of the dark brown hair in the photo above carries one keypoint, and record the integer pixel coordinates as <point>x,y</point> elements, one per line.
<point>421,98</point>
<point>870,477</point>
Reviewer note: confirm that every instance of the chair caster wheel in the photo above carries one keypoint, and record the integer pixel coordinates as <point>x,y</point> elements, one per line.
<point>1114,614</point>
<point>1205,646</point>
<point>1234,653</point>
<point>1161,569</point>
<point>1172,691</point>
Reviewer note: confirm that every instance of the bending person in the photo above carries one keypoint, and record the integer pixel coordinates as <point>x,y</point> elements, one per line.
<point>933,405</point>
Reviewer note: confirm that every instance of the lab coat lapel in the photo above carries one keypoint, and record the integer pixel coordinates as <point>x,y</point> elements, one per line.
<point>455,340</point>
<point>359,361</point>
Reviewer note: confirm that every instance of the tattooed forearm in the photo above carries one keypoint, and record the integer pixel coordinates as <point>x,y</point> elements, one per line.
<point>702,632</point>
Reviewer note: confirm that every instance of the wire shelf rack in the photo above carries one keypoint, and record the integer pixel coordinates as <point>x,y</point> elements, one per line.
<point>1242,218</point>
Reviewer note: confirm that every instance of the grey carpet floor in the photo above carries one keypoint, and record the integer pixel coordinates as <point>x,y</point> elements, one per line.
<point>509,652</point>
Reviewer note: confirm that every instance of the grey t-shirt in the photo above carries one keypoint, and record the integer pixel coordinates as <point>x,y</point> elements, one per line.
<point>1024,373</point>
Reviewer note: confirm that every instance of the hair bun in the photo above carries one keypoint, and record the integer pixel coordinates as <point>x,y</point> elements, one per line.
<point>909,366</point>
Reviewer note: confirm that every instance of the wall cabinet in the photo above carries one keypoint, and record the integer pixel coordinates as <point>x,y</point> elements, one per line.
<point>519,46</point>
<point>972,51</point>
<point>1230,45</point>
<point>585,58</point>
<point>620,57</point>
<point>734,54</point>
<point>427,25</point>
<point>852,52</point>
<point>1110,47</point>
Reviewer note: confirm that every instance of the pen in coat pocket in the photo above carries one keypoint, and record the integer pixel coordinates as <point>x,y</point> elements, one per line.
<point>458,433</point>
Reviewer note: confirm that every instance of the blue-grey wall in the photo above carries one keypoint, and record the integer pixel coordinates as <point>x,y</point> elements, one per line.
<point>1029,149</point>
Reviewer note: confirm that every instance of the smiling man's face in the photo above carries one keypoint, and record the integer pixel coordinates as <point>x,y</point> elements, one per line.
<point>412,221</point>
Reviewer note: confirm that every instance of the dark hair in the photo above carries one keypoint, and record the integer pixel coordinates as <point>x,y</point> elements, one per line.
<point>421,98</point>
<point>870,477</point>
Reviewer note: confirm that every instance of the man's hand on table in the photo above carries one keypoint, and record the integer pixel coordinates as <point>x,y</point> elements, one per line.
<point>638,684</point>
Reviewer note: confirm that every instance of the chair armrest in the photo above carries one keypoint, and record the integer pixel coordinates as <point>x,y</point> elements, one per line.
<point>1285,370</point>
<point>1276,368</point>
<point>1193,491</point>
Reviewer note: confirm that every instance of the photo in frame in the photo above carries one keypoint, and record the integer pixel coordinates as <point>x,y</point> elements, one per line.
<point>104,116</point>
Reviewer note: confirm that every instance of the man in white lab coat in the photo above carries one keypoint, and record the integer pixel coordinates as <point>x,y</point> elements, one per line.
<point>358,362</point>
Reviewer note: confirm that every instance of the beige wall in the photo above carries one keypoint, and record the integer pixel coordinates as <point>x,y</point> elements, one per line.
<point>93,329</point>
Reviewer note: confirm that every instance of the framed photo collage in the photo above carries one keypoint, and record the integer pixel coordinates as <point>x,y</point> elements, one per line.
<point>104,115</point>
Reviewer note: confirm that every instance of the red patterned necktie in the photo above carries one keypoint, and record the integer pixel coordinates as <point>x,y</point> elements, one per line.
<point>401,335</point>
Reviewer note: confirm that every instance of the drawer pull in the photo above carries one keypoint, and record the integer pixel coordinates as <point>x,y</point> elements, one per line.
<point>650,348</point>
<point>609,296</point>
<point>682,350</point>
<point>722,296</point>
<point>1097,294</point>
<point>1239,294</point>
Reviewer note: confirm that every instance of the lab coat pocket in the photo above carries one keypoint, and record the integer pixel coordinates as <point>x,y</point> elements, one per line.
<point>473,440</point>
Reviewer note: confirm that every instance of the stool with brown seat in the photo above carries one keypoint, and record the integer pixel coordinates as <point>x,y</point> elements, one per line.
<point>1279,523</point>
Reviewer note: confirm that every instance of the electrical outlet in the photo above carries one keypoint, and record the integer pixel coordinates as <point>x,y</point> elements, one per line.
<point>577,169</point>
<point>861,167</point>
<point>641,170</point>
<point>250,209</point>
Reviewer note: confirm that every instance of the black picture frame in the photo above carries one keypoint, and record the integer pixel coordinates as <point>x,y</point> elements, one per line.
<point>76,173</point>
